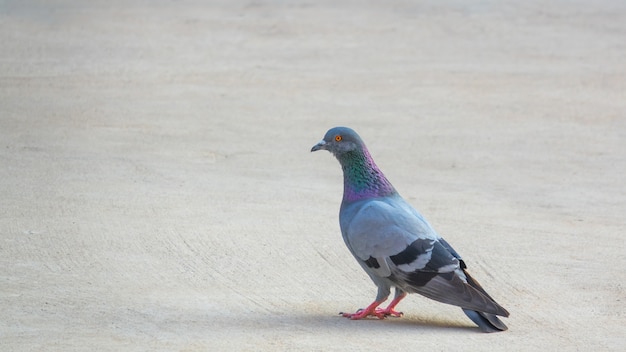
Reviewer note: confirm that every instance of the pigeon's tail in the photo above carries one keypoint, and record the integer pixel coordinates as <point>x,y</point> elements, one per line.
<point>485,321</point>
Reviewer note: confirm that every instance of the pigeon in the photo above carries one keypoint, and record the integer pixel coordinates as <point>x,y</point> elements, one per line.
<point>395,245</point>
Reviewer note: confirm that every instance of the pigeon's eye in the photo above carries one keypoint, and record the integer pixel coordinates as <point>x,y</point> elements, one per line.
<point>338,138</point>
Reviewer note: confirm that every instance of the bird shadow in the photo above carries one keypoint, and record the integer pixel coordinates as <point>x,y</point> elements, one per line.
<point>391,324</point>
<point>430,323</point>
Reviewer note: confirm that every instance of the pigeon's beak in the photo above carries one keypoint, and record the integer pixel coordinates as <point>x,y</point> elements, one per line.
<point>318,146</point>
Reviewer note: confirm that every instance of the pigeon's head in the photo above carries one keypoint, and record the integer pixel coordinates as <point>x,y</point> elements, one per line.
<point>339,140</point>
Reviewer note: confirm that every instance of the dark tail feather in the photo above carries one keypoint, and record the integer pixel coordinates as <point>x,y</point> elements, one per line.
<point>476,285</point>
<point>485,321</point>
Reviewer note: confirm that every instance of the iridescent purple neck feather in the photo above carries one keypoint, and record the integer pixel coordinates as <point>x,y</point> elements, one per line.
<point>362,179</point>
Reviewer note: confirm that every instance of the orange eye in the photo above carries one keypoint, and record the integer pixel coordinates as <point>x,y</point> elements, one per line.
<point>338,138</point>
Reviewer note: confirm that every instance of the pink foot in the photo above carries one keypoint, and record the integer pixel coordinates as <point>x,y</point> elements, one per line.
<point>373,311</point>
<point>388,312</point>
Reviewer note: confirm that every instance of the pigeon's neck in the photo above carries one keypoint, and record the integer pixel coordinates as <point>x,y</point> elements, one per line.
<point>362,179</point>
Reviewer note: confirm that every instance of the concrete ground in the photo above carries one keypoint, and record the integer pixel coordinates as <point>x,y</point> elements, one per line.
<point>158,194</point>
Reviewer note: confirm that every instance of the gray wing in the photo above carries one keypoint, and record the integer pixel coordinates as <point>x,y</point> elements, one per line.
<point>386,234</point>
<point>392,242</point>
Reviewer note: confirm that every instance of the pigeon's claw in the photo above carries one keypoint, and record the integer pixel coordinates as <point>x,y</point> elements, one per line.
<point>378,313</point>
<point>371,310</point>
<point>388,312</point>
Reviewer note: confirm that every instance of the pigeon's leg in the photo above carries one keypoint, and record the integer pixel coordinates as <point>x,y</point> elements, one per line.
<point>372,309</point>
<point>390,308</point>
